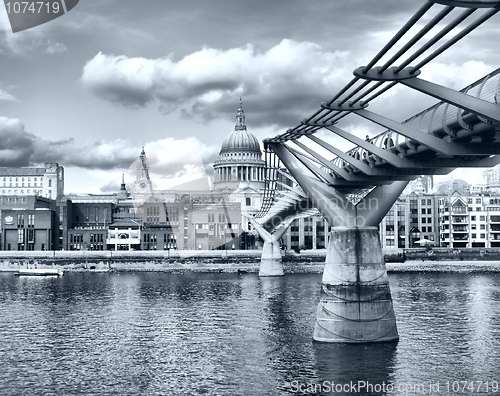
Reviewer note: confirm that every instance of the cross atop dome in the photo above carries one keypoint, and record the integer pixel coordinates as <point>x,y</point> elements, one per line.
<point>240,119</point>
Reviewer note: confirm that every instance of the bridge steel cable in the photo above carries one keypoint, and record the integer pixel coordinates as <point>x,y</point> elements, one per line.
<point>342,98</point>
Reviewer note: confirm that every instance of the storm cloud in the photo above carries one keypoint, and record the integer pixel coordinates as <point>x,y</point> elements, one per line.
<point>19,147</point>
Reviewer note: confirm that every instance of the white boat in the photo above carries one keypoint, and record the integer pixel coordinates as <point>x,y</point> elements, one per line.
<point>40,272</point>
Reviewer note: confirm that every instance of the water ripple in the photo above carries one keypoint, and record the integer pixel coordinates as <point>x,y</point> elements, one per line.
<point>232,334</point>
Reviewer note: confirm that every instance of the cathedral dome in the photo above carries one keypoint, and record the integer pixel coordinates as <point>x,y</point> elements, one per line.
<point>240,141</point>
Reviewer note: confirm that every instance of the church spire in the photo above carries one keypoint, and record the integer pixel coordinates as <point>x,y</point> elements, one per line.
<point>123,188</point>
<point>240,119</point>
<point>142,184</point>
<point>142,168</point>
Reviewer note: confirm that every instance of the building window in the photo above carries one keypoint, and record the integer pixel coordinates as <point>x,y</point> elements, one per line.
<point>249,202</point>
<point>20,236</point>
<point>31,236</point>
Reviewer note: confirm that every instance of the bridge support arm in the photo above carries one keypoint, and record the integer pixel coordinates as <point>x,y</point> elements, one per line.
<point>379,152</point>
<point>377,203</point>
<point>334,206</point>
<point>459,99</point>
<point>432,141</point>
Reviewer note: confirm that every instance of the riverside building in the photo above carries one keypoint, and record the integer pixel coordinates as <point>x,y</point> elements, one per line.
<point>46,182</point>
<point>469,221</point>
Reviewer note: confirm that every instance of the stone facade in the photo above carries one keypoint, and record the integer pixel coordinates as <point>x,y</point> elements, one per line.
<point>46,182</point>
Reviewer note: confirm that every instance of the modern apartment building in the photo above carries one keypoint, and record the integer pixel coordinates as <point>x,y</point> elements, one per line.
<point>470,221</point>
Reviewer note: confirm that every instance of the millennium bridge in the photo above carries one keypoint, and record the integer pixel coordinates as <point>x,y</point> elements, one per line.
<point>355,189</point>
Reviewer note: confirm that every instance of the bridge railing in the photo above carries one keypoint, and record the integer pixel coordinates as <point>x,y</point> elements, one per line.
<point>271,179</point>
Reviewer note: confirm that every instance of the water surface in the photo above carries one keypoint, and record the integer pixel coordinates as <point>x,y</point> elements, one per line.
<point>236,334</point>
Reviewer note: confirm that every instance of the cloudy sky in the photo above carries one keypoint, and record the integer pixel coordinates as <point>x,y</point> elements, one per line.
<point>92,87</point>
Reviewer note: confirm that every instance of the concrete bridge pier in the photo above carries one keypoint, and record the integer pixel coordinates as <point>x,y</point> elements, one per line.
<point>355,302</point>
<point>355,299</point>
<point>270,262</point>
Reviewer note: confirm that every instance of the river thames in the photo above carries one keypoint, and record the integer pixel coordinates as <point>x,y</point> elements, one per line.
<point>235,334</point>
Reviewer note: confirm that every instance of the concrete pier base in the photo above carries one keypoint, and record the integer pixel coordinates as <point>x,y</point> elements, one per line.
<point>355,302</point>
<point>270,262</point>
